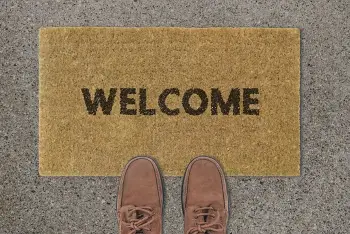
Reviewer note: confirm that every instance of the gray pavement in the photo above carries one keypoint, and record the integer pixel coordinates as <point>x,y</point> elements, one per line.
<point>316,202</point>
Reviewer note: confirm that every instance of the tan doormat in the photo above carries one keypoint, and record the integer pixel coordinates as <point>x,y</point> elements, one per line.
<point>109,94</point>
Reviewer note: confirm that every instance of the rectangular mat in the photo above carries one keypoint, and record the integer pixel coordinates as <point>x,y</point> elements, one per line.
<point>108,94</point>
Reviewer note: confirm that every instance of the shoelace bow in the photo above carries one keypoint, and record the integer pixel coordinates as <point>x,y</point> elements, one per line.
<point>203,227</point>
<point>139,224</point>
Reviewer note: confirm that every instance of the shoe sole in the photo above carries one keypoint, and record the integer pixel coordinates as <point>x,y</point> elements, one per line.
<point>159,179</point>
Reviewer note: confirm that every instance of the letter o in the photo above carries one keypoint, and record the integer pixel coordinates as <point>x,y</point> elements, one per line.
<point>186,101</point>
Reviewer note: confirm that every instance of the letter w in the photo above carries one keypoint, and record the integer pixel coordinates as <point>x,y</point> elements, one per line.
<point>106,105</point>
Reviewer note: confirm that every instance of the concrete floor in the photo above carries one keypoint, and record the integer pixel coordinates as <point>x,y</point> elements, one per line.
<point>316,202</point>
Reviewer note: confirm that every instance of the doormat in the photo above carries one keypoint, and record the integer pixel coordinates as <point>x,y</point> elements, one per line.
<point>109,94</point>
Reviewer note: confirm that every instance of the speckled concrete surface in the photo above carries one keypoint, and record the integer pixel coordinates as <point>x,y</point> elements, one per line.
<point>316,202</point>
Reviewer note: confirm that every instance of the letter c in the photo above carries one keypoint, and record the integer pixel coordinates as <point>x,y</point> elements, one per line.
<point>162,98</point>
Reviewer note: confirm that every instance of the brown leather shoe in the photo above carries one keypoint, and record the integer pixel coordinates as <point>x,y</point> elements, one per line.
<point>140,198</point>
<point>204,197</point>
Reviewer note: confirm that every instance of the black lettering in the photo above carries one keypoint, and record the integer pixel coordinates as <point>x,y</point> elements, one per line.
<point>106,105</point>
<point>233,100</point>
<point>143,104</point>
<point>125,100</point>
<point>247,101</point>
<point>161,101</point>
<point>186,104</point>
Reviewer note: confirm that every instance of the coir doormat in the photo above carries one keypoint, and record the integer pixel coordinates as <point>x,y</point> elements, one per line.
<point>109,94</point>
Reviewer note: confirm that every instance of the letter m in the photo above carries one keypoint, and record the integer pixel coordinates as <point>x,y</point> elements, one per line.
<point>225,106</point>
<point>99,99</point>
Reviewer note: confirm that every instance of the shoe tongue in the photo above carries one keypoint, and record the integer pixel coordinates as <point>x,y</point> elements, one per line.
<point>215,218</point>
<point>133,215</point>
<point>206,217</point>
<point>128,216</point>
<point>200,218</point>
<point>209,218</point>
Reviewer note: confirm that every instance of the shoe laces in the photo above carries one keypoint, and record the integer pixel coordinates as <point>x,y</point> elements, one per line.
<point>139,219</point>
<point>206,226</point>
